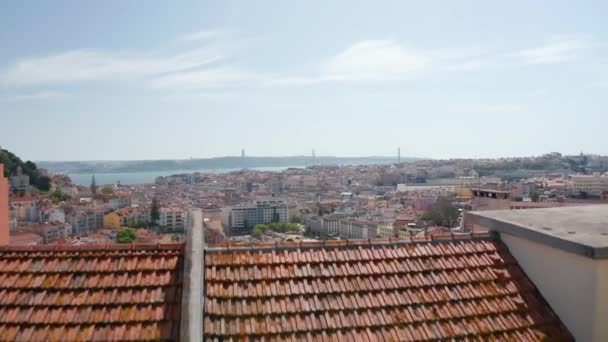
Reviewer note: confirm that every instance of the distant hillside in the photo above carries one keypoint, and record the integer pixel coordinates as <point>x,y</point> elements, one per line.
<point>206,164</point>
<point>12,162</point>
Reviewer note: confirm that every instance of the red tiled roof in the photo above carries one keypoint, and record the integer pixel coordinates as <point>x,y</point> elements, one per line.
<point>397,290</point>
<point>24,239</point>
<point>90,293</point>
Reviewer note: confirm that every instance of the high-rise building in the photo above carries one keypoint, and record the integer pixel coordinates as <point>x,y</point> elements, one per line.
<point>4,227</point>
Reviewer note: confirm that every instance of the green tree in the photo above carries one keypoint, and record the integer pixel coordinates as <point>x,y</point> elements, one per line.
<point>155,211</point>
<point>43,183</point>
<point>59,196</point>
<point>296,219</point>
<point>93,185</point>
<point>259,230</point>
<point>283,227</point>
<point>443,214</point>
<point>140,224</point>
<point>126,235</point>
<point>279,227</point>
<point>107,190</point>
<point>535,196</point>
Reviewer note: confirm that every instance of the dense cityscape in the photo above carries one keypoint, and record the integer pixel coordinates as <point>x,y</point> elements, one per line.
<point>310,171</point>
<point>406,235</point>
<point>416,198</point>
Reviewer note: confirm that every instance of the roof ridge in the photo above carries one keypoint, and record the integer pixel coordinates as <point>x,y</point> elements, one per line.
<point>94,247</point>
<point>441,237</point>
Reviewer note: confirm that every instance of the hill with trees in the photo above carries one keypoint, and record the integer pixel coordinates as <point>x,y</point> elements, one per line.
<point>12,162</point>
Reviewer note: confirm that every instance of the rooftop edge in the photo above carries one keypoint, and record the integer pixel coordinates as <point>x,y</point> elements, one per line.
<point>495,222</point>
<point>282,245</point>
<point>94,247</point>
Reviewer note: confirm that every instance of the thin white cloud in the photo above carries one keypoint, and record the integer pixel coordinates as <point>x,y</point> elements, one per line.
<point>96,65</point>
<point>468,65</point>
<point>221,77</point>
<point>504,108</point>
<point>40,95</point>
<point>210,34</point>
<point>386,60</point>
<point>205,68</point>
<point>558,49</point>
<point>389,60</point>
<point>376,60</point>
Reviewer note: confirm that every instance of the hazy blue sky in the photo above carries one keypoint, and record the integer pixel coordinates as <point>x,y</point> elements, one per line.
<point>178,79</point>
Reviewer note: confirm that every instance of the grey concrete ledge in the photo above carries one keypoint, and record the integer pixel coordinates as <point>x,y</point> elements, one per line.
<point>581,230</point>
<point>191,328</point>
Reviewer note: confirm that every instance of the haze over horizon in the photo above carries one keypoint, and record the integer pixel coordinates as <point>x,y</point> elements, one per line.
<point>149,81</point>
<point>403,158</point>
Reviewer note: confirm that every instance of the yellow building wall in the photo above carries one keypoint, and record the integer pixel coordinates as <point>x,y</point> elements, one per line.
<point>464,192</point>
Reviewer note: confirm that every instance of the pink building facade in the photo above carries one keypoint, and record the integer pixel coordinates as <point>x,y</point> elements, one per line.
<point>4,228</point>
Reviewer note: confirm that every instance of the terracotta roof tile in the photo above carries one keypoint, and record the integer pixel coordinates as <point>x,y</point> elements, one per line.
<point>390,290</point>
<point>59,293</point>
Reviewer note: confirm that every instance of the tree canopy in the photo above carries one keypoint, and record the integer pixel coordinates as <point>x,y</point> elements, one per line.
<point>126,235</point>
<point>155,211</point>
<point>107,190</point>
<point>280,227</point>
<point>443,214</point>
<point>59,196</point>
<point>93,185</point>
<point>535,196</point>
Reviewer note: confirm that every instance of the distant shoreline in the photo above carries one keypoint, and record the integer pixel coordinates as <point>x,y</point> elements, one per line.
<point>148,177</point>
<point>192,165</point>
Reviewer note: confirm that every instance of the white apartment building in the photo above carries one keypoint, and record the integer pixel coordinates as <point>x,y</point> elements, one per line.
<point>49,232</point>
<point>264,210</point>
<point>84,220</point>
<point>594,184</point>
<point>172,218</point>
<point>346,227</point>
<point>357,229</point>
<point>385,230</point>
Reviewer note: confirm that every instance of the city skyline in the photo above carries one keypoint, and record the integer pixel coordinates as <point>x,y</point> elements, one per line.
<point>118,81</point>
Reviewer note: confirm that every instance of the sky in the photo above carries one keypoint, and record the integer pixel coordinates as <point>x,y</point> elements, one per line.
<point>114,80</point>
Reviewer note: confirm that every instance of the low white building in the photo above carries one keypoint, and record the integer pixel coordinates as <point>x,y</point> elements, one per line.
<point>385,230</point>
<point>595,184</point>
<point>53,214</point>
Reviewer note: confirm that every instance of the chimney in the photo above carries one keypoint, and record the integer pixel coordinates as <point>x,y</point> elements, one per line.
<point>4,230</point>
<point>564,251</point>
